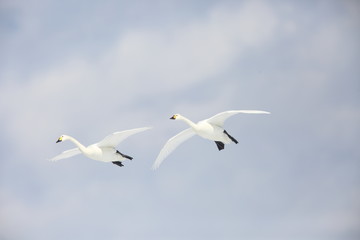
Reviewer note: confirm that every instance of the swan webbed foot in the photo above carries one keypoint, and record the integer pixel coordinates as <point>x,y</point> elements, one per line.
<point>118,163</point>
<point>220,145</point>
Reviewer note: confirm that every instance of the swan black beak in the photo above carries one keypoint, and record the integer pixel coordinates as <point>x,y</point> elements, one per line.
<point>59,140</point>
<point>173,117</point>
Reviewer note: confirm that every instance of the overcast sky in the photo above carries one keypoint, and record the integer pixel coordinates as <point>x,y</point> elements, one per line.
<point>90,68</point>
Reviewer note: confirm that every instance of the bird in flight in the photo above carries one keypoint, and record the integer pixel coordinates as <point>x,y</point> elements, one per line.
<point>211,128</point>
<point>103,151</point>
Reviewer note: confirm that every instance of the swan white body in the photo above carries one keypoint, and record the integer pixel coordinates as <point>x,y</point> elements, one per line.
<point>211,128</point>
<point>103,151</point>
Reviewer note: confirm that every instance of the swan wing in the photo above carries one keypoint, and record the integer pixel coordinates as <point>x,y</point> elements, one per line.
<point>66,154</point>
<point>171,145</point>
<point>220,118</point>
<point>115,138</point>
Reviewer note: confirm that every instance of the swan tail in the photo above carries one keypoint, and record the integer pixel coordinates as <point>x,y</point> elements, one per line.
<point>220,145</point>
<point>232,138</point>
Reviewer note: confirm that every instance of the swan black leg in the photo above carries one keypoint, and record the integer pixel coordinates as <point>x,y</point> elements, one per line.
<point>232,138</point>
<point>124,156</point>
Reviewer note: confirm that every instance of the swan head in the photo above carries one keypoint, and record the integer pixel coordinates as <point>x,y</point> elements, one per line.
<point>175,116</point>
<point>62,138</point>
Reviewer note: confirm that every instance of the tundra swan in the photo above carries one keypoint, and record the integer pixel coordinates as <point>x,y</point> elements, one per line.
<point>211,128</point>
<point>102,151</point>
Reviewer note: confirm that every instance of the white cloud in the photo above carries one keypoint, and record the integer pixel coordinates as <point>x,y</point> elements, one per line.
<point>174,59</point>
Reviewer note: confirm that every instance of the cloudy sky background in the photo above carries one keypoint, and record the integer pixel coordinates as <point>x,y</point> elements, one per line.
<point>89,68</point>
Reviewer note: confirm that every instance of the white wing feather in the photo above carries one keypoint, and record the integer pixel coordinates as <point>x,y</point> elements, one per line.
<point>220,118</point>
<point>115,138</point>
<point>171,145</point>
<point>66,154</point>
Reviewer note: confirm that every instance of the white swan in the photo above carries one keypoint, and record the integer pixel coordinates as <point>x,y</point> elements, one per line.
<point>102,151</point>
<point>211,128</point>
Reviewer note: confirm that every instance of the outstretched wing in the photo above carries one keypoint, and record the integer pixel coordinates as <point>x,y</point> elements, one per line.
<point>115,138</point>
<point>66,154</point>
<point>171,145</point>
<point>220,118</point>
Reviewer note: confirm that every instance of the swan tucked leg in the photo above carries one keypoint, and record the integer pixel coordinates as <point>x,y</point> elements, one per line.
<point>124,156</point>
<point>118,163</point>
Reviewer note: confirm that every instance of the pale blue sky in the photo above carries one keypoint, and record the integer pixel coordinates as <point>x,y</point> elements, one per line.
<point>89,68</point>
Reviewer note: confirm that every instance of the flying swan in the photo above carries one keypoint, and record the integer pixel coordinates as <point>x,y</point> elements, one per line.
<point>103,151</point>
<point>211,128</point>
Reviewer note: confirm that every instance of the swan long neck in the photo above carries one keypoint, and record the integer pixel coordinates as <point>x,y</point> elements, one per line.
<point>77,143</point>
<point>188,121</point>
